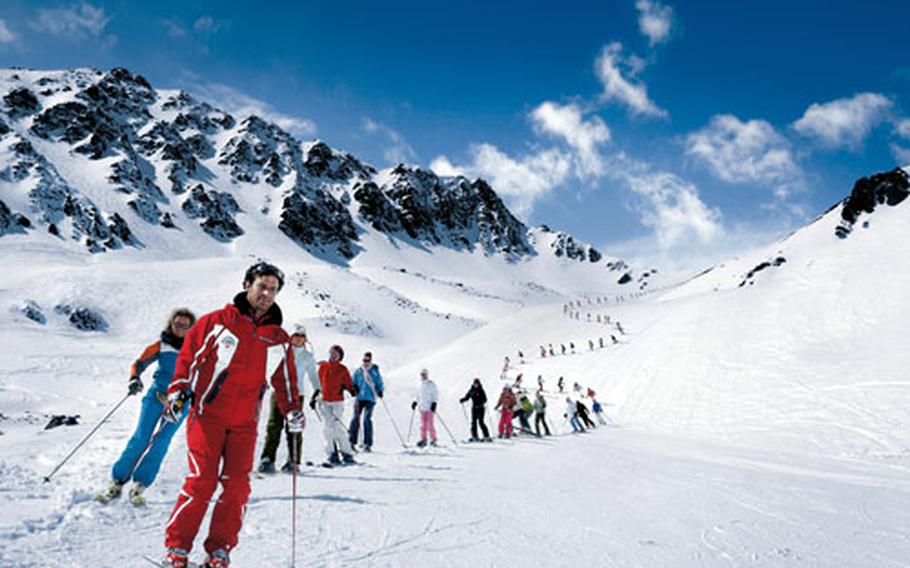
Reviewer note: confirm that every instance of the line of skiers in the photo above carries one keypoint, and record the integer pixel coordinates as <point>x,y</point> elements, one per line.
<point>213,373</point>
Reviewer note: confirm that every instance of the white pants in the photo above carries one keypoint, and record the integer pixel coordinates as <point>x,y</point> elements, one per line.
<point>333,428</point>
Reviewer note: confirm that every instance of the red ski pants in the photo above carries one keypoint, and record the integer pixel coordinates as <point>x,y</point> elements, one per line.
<point>216,452</point>
<point>505,423</point>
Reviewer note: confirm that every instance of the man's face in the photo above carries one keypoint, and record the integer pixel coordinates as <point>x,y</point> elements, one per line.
<point>333,356</point>
<point>298,340</point>
<point>367,362</point>
<point>180,325</point>
<point>261,293</point>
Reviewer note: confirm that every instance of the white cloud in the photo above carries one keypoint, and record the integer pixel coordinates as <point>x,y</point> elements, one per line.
<point>521,182</point>
<point>902,127</point>
<point>6,36</point>
<point>618,75</point>
<point>174,28</point>
<point>844,122</point>
<point>208,25</point>
<point>243,105</point>
<point>76,22</point>
<point>583,136</point>
<point>654,20</point>
<point>673,209</point>
<point>901,154</point>
<point>397,151</point>
<point>743,152</point>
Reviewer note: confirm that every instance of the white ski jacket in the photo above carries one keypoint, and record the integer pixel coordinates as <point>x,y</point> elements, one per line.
<point>426,394</point>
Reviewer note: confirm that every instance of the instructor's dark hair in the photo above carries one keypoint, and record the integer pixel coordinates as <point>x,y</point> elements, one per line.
<point>180,313</point>
<point>339,350</point>
<point>263,268</point>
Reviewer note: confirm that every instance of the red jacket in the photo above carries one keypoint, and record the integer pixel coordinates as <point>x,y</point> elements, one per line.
<point>228,356</point>
<point>334,379</point>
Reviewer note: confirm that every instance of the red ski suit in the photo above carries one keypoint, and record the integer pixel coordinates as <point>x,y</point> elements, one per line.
<point>225,361</point>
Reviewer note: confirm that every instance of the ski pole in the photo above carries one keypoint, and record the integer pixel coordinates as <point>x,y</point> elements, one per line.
<point>410,425</point>
<point>443,422</point>
<point>389,414</point>
<point>294,459</point>
<point>47,477</point>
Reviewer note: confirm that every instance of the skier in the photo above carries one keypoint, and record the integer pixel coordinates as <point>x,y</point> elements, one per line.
<point>222,369</point>
<point>583,414</point>
<point>613,337</point>
<point>572,346</point>
<point>335,379</point>
<point>507,403</point>
<point>620,329</point>
<point>523,412</point>
<point>572,415</point>
<point>368,383</point>
<point>305,362</point>
<point>427,397</point>
<point>590,345</point>
<point>563,348</point>
<point>141,459</point>
<point>552,353</point>
<point>540,382</point>
<point>505,366</point>
<point>543,352</point>
<point>540,409</point>
<point>599,412</point>
<point>521,357</point>
<point>590,393</point>
<point>601,342</point>
<point>478,399</point>
<point>517,386</point>
<point>561,384</point>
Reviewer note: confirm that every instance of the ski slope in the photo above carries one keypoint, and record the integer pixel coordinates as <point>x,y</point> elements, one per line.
<point>756,425</point>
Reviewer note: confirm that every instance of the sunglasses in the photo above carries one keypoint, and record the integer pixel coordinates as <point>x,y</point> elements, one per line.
<point>181,325</point>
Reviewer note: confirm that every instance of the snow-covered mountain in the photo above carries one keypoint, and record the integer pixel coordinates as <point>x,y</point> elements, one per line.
<point>106,160</point>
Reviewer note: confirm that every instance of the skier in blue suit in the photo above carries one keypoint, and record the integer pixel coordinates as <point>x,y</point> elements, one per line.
<point>142,457</point>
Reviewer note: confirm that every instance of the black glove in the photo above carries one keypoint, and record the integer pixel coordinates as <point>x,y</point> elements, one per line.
<point>313,399</point>
<point>379,394</point>
<point>135,385</point>
<point>414,405</point>
<point>433,407</point>
<point>354,390</point>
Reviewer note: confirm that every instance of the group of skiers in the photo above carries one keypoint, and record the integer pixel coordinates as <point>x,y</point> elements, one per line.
<point>213,372</point>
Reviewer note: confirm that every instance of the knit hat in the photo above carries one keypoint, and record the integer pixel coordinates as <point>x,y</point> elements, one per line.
<point>299,329</point>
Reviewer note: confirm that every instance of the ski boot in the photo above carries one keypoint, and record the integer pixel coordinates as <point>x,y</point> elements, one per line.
<point>434,444</point>
<point>421,443</point>
<point>347,459</point>
<point>288,467</point>
<point>266,466</point>
<point>473,439</point>
<point>176,558</point>
<point>332,461</point>
<point>112,492</point>
<point>217,559</point>
<point>367,449</point>
<point>487,439</point>
<point>136,497</point>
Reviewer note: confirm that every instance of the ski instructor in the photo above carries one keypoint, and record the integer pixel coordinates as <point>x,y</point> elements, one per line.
<point>222,371</point>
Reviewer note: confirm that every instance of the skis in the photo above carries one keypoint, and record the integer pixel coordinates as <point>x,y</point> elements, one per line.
<point>151,560</point>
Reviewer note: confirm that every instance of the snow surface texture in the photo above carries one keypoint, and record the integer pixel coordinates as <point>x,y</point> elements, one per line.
<point>760,414</point>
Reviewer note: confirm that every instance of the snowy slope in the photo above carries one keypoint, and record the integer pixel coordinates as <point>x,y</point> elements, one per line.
<point>755,425</point>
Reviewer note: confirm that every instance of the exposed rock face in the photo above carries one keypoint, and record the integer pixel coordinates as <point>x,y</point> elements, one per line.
<point>888,188</point>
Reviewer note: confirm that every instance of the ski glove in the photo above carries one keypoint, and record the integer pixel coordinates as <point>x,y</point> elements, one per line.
<point>135,385</point>
<point>379,394</point>
<point>433,407</point>
<point>296,422</point>
<point>414,405</point>
<point>313,399</point>
<point>175,403</point>
<point>354,390</point>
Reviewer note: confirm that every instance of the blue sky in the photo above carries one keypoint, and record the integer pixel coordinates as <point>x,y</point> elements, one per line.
<point>677,132</point>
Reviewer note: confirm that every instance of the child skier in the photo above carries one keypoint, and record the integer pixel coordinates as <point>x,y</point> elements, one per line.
<point>506,402</point>
<point>427,397</point>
